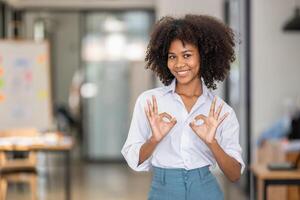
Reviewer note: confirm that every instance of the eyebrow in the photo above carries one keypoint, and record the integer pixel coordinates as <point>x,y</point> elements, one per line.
<point>185,51</point>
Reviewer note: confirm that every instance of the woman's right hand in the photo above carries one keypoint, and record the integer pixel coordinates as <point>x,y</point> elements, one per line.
<point>160,127</point>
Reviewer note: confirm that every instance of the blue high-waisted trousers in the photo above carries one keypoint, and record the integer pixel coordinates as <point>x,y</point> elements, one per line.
<point>181,184</point>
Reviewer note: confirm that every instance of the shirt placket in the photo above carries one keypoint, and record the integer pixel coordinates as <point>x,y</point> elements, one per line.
<point>185,140</point>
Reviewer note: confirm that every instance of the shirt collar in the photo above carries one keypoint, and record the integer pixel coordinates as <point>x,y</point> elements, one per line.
<point>171,88</point>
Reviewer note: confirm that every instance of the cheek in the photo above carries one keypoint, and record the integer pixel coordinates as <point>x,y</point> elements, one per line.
<point>170,65</point>
<point>197,69</point>
<point>196,65</point>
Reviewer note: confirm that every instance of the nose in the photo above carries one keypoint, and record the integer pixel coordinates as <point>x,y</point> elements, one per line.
<point>179,63</point>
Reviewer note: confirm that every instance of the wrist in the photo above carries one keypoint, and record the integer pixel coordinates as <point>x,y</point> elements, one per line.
<point>212,144</point>
<point>153,140</point>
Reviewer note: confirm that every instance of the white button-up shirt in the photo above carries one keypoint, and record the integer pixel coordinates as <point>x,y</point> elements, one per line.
<point>181,147</point>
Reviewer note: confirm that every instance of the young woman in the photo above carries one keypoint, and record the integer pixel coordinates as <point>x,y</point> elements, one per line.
<point>181,129</point>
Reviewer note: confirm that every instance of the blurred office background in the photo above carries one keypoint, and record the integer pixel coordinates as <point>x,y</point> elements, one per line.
<point>97,50</point>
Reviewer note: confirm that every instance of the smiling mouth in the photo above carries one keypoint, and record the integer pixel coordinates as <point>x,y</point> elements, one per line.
<point>182,73</point>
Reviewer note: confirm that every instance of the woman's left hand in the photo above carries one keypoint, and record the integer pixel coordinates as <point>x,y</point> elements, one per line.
<point>207,130</point>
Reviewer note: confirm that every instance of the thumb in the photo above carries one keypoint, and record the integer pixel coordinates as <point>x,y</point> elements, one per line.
<point>192,124</point>
<point>173,121</point>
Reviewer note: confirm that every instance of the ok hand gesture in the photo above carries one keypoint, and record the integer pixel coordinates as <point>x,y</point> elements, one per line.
<point>159,126</point>
<point>207,130</point>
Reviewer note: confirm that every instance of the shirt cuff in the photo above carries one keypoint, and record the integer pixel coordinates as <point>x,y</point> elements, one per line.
<point>237,157</point>
<point>132,158</point>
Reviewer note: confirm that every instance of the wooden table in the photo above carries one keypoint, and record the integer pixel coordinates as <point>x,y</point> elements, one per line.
<point>264,177</point>
<point>63,144</point>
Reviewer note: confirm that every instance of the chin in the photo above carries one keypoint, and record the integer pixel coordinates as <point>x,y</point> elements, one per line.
<point>183,80</point>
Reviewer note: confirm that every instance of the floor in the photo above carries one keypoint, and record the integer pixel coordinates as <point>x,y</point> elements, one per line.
<point>92,181</point>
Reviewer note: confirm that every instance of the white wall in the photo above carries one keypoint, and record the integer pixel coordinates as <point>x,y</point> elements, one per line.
<point>81,4</point>
<point>181,7</point>
<point>64,32</point>
<point>275,61</point>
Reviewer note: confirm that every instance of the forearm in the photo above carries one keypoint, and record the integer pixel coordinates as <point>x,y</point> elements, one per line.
<point>147,149</point>
<point>230,167</point>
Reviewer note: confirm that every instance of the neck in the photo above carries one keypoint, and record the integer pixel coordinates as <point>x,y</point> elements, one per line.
<point>193,88</point>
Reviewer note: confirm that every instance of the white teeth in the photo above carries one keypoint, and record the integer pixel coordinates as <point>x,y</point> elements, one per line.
<point>182,72</point>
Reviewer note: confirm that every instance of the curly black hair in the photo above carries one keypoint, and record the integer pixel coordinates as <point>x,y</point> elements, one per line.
<point>215,42</point>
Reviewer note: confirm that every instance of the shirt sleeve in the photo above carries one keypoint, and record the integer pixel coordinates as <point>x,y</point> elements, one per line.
<point>138,134</point>
<point>230,139</point>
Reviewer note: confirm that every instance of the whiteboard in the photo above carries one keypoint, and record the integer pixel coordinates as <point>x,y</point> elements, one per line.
<point>25,99</point>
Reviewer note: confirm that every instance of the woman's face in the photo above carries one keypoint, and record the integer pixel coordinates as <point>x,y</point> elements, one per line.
<point>184,61</point>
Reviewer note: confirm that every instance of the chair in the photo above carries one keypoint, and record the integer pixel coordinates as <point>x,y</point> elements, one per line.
<point>18,169</point>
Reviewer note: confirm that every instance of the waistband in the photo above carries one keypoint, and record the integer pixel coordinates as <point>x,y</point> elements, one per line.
<point>179,174</point>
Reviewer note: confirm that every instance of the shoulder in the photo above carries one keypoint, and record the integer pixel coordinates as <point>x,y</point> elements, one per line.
<point>157,92</point>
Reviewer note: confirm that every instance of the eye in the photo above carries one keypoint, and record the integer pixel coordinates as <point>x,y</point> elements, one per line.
<point>187,55</point>
<point>171,57</point>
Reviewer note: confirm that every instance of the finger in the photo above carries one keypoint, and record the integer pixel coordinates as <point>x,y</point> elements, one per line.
<point>193,124</point>
<point>223,117</point>
<point>219,110</point>
<point>147,113</point>
<point>212,107</point>
<point>202,117</point>
<point>173,121</point>
<point>149,107</point>
<point>166,115</point>
<point>155,108</point>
